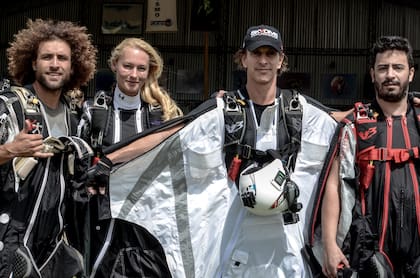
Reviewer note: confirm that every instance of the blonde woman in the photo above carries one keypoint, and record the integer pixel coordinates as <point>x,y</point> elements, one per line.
<point>135,103</point>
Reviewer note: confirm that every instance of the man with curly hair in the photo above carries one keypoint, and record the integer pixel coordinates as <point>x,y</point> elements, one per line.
<point>39,157</point>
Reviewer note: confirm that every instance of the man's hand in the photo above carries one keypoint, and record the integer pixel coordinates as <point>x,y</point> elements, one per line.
<point>220,93</point>
<point>333,259</point>
<point>340,115</point>
<point>24,145</point>
<point>98,176</point>
<point>416,101</point>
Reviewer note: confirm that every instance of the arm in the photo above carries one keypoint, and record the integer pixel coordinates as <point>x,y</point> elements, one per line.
<point>339,115</point>
<point>141,146</point>
<point>416,101</point>
<point>99,173</point>
<point>23,145</point>
<point>330,212</point>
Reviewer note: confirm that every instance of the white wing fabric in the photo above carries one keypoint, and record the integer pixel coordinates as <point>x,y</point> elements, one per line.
<point>178,191</point>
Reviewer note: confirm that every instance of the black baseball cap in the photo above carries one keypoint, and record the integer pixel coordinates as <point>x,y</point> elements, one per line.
<point>262,35</point>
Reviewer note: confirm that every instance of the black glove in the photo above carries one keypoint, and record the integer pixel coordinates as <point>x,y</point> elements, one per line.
<point>99,173</point>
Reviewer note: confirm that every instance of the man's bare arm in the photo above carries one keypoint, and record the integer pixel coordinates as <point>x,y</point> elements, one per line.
<point>339,115</point>
<point>330,213</point>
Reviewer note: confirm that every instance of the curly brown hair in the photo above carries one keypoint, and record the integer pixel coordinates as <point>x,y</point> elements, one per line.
<point>23,50</point>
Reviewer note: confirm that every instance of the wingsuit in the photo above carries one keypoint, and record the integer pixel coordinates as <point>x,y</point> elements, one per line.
<point>379,223</point>
<point>116,247</point>
<point>35,193</point>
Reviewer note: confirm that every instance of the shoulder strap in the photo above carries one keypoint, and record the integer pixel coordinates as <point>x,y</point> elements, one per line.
<point>152,115</point>
<point>28,100</point>
<point>365,130</point>
<point>14,116</point>
<point>100,117</point>
<point>4,84</point>
<point>235,118</point>
<point>365,125</point>
<point>29,108</point>
<point>292,113</point>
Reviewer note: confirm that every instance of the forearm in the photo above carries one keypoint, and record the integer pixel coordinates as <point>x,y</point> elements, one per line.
<point>330,210</point>
<point>5,154</point>
<point>340,115</point>
<point>141,145</point>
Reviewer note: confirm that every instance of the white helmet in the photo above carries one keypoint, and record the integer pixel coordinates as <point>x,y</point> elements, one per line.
<point>267,190</point>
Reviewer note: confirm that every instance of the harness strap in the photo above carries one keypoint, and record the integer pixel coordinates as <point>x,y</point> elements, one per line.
<point>362,111</point>
<point>247,152</point>
<point>29,101</point>
<point>13,116</point>
<point>384,154</point>
<point>235,124</point>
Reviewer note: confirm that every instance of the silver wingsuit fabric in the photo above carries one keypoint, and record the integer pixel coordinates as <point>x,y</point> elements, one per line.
<point>180,192</point>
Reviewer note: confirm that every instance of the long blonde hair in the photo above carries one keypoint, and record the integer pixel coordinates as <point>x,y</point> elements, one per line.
<point>151,92</point>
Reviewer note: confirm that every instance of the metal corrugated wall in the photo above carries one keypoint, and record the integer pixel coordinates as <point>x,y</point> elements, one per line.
<point>328,37</point>
<point>403,21</point>
<point>320,37</point>
<point>13,22</point>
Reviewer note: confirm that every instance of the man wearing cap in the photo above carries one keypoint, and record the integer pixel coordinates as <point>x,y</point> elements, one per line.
<point>282,133</point>
<point>268,242</point>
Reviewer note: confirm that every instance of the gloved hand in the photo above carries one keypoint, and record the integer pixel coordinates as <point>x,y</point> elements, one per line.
<point>98,174</point>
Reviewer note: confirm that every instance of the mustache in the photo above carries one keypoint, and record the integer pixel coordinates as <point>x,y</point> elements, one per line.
<point>390,82</point>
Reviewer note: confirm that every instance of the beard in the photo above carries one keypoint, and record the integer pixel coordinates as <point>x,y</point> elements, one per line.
<point>53,85</point>
<point>391,95</point>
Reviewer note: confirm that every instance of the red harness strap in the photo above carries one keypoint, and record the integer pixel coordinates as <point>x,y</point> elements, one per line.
<point>384,154</point>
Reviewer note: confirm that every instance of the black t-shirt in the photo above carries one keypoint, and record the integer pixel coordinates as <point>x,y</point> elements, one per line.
<point>259,109</point>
